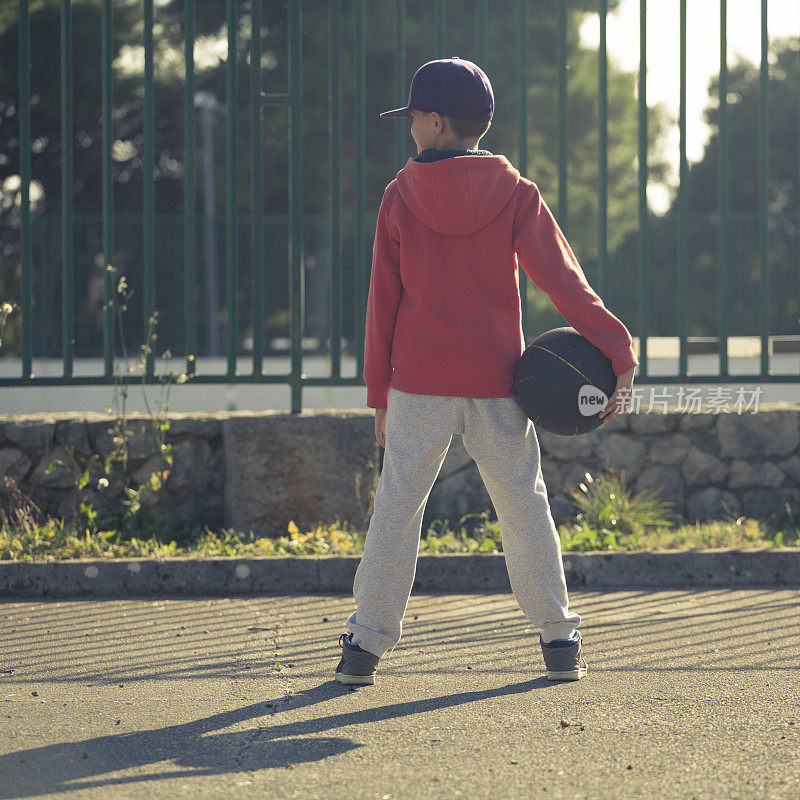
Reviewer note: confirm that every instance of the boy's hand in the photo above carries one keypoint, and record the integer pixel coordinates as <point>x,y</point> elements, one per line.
<point>621,399</point>
<point>380,426</point>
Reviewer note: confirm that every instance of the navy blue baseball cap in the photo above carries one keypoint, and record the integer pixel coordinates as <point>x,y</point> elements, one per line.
<point>453,87</point>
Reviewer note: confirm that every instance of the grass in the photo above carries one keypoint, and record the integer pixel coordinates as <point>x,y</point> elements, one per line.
<point>609,518</point>
<point>56,540</point>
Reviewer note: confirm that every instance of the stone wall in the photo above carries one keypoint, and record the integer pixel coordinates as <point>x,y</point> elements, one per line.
<point>258,471</point>
<point>194,487</point>
<point>749,463</point>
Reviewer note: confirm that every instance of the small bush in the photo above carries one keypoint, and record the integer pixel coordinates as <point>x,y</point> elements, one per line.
<point>607,506</point>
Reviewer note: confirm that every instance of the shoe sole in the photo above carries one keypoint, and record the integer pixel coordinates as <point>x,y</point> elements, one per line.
<point>355,680</point>
<point>571,675</point>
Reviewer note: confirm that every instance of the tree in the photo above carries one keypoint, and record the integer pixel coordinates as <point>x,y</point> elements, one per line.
<point>744,279</point>
<point>380,168</point>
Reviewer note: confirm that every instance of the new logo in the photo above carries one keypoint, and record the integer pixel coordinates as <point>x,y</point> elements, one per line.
<point>590,400</point>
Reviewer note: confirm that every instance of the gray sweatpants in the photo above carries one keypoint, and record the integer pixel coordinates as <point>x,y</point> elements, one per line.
<point>503,443</point>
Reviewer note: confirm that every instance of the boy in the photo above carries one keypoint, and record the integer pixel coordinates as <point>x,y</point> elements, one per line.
<point>443,335</point>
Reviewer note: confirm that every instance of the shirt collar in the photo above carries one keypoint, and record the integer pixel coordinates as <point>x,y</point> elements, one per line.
<point>432,154</point>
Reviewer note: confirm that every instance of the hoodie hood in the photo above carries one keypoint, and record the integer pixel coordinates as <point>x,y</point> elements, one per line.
<point>457,195</point>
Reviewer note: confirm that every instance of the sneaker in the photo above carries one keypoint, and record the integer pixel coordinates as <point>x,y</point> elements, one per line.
<point>357,666</point>
<point>563,659</point>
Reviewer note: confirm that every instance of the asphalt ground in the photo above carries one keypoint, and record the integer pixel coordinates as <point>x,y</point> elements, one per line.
<point>691,693</point>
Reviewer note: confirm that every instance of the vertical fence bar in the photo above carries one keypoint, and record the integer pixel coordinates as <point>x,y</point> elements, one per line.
<point>67,231</point>
<point>189,194</point>
<point>522,130</point>
<point>722,192</point>
<point>400,96</point>
<point>297,277</point>
<point>335,139</point>
<point>108,186</point>
<point>683,202</point>
<point>45,328</point>
<point>440,27</point>
<point>602,200</point>
<point>231,108</point>
<point>481,17</point>
<point>644,215</point>
<point>148,170</point>
<point>360,182</point>
<point>522,85</point>
<point>763,193</point>
<point>561,59</point>
<point>25,243</point>
<point>257,199</point>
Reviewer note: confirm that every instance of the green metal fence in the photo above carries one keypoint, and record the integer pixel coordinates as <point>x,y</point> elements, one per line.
<point>291,101</point>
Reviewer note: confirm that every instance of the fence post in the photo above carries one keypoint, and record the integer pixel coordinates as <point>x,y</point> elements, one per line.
<point>257,200</point>
<point>189,195</point>
<point>297,278</point>
<point>66,187</point>
<point>25,183</point>
<point>722,191</point>
<point>148,168</point>
<point>108,186</point>
<point>644,214</point>
<point>231,108</point>
<point>763,194</point>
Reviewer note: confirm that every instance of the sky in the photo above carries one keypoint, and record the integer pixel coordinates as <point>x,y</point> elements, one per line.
<point>702,58</point>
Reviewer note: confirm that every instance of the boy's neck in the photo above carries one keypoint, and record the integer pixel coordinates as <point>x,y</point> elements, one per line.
<point>473,145</point>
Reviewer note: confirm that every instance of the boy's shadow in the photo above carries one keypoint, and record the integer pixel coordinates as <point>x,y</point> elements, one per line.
<point>71,765</point>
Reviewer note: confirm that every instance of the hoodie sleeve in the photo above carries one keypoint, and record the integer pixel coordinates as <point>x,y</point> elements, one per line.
<point>549,262</point>
<point>385,289</point>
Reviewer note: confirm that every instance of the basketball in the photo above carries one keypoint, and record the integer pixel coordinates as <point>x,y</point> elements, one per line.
<point>562,382</point>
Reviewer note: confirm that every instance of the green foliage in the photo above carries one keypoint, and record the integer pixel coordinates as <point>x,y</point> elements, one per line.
<point>741,533</point>
<point>83,538</point>
<point>607,506</point>
<point>610,518</point>
<point>211,59</point>
<point>744,268</point>
<point>609,514</point>
<point>583,538</point>
<point>484,538</point>
<point>101,523</point>
<point>137,515</point>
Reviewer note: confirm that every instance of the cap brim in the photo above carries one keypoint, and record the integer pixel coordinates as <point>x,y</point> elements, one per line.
<point>397,112</point>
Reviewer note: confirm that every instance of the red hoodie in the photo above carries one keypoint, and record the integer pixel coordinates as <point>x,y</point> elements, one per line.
<point>443,312</point>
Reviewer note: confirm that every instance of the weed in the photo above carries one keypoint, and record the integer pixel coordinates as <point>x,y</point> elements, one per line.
<point>608,505</point>
<point>98,482</point>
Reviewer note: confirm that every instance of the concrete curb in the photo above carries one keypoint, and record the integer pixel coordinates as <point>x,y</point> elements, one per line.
<point>462,572</point>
